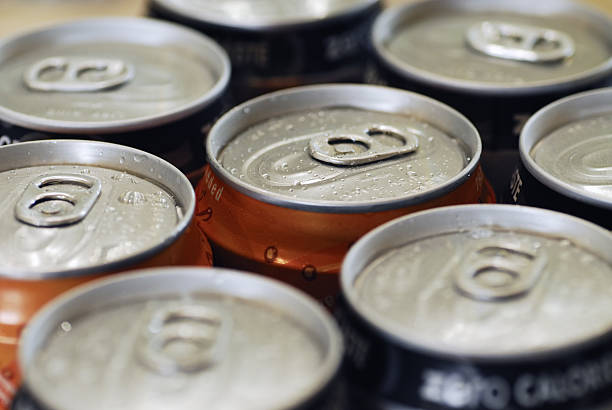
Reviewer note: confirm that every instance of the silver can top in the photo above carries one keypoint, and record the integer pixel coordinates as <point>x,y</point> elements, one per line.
<point>568,147</point>
<point>79,207</point>
<point>108,75</point>
<point>486,281</point>
<point>501,47</point>
<point>180,338</point>
<point>263,14</point>
<point>343,146</point>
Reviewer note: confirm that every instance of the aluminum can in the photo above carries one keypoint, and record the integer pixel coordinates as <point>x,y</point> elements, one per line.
<point>295,177</point>
<point>72,211</point>
<point>197,338</point>
<point>497,62</point>
<point>468,307</point>
<point>138,82</point>
<point>565,158</point>
<point>275,44</point>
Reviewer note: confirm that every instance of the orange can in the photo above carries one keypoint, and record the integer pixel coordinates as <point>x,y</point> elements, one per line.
<point>295,177</point>
<point>72,211</point>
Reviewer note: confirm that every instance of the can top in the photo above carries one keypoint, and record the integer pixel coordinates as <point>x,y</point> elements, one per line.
<point>261,15</point>
<point>181,338</point>
<point>344,148</point>
<point>484,281</point>
<point>108,75</point>
<point>567,146</point>
<point>504,47</point>
<point>72,207</point>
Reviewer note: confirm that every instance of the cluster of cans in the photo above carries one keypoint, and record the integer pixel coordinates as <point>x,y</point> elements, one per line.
<point>377,200</point>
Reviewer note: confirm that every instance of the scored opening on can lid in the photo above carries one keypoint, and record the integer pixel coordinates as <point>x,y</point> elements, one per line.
<point>567,146</point>
<point>74,207</point>
<point>505,47</point>
<point>108,75</point>
<point>180,338</point>
<point>483,281</point>
<point>343,148</point>
<point>264,15</point>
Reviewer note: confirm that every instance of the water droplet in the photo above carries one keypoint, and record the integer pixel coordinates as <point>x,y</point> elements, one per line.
<point>66,326</point>
<point>139,157</point>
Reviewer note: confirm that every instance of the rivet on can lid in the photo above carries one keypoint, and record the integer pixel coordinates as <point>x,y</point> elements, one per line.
<point>204,329</point>
<point>353,149</point>
<point>47,208</point>
<point>109,73</point>
<point>495,270</point>
<point>520,42</point>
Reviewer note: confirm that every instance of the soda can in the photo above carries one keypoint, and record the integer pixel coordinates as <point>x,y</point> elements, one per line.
<point>468,307</point>
<point>497,62</point>
<point>565,158</point>
<point>138,82</point>
<point>276,44</point>
<point>182,338</point>
<point>295,177</point>
<point>71,211</point>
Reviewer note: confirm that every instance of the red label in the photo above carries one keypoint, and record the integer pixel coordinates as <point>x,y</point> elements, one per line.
<point>9,380</point>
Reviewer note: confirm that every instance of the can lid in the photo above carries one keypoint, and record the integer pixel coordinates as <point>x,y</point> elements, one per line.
<point>504,47</point>
<point>79,207</point>
<point>346,148</point>
<point>567,146</point>
<point>263,15</point>
<point>485,281</point>
<point>183,338</point>
<point>108,75</point>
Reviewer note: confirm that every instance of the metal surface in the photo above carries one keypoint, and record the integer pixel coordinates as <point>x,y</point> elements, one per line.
<point>567,146</point>
<point>258,334</point>
<point>275,166</point>
<point>401,279</point>
<point>43,207</point>
<point>108,75</point>
<point>405,35</point>
<point>263,15</point>
<point>54,223</point>
<point>520,43</point>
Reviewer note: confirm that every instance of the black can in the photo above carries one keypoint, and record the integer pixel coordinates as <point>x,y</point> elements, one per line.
<point>467,307</point>
<point>497,62</point>
<point>566,158</point>
<point>276,44</point>
<point>138,82</point>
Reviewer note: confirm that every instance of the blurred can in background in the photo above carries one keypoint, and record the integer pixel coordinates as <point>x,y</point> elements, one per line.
<point>138,82</point>
<point>181,338</point>
<point>295,177</point>
<point>495,62</point>
<point>566,158</point>
<point>71,211</point>
<point>468,307</point>
<point>275,44</point>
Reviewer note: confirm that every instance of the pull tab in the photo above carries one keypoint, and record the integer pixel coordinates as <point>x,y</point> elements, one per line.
<point>186,338</point>
<point>102,74</point>
<point>498,270</point>
<point>520,43</point>
<point>42,206</point>
<point>355,149</point>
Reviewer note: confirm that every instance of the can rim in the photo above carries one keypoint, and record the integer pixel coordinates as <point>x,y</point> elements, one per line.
<point>452,219</point>
<point>384,99</point>
<point>388,20</point>
<point>551,117</point>
<point>265,25</point>
<point>206,47</point>
<point>87,153</point>
<point>167,280</point>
